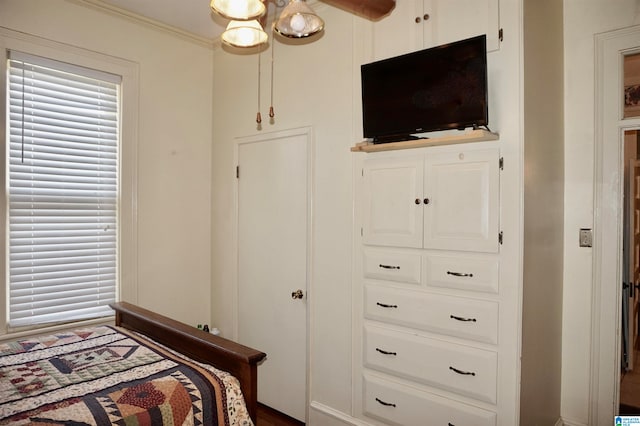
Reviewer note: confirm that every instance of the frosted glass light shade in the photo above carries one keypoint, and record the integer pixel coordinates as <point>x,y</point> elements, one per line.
<point>298,20</point>
<point>244,34</point>
<point>239,10</point>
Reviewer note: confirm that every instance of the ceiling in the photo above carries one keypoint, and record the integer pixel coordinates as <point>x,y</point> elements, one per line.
<point>196,18</point>
<point>192,16</point>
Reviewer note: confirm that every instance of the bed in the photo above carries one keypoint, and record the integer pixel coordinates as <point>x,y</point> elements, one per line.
<point>147,369</point>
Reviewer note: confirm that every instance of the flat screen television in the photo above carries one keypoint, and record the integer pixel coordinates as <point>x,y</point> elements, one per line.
<point>438,88</point>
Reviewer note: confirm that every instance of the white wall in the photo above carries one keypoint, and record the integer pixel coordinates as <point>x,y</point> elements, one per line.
<point>318,85</point>
<point>583,19</point>
<point>186,180</point>
<point>174,144</point>
<point>312,87</point>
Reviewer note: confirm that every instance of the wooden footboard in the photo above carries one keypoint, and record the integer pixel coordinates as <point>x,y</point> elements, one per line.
<point>239,360</point>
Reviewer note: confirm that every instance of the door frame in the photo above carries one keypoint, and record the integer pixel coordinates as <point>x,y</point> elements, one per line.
<point>604,391</point>
<point>630,260</point>
<point>265,138</point>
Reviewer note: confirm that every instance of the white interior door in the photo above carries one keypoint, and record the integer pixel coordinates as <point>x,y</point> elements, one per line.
<point>273,233</point>
<point>608,208</point>
<point>633,258</point>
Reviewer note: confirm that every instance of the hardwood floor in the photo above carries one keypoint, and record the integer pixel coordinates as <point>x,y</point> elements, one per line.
<point>630,389</point>
<point>269,417</point>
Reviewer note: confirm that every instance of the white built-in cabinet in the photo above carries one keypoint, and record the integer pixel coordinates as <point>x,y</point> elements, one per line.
<point>443,200</point>
<point>419,24</point>
<point>428,294</point>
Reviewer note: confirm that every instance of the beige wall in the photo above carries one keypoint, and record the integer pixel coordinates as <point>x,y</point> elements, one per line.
<point>174,144</point>
<point>543,213</point>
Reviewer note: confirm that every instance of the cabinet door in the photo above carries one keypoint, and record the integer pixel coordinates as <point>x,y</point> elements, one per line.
<point>419,24</point>
<point>452,20</point>
<point>398,33</point>
<point>462,188</point>
<point>393,202</point>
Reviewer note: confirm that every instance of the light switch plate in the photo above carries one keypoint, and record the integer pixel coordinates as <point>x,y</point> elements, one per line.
<point>586,237</point>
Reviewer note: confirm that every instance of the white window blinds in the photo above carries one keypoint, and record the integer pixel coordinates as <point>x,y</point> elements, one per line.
<point>63,191</point>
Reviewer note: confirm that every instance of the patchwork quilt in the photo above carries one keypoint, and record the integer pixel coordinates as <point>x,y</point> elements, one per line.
<point>107,375</point>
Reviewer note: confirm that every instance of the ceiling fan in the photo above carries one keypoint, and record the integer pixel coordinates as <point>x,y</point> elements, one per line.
<point>297,19</point>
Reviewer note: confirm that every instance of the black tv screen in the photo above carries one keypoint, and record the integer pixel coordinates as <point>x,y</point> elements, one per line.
<point>443,87</point>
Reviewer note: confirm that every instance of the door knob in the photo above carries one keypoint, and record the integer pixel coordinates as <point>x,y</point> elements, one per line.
<point>298,294</point>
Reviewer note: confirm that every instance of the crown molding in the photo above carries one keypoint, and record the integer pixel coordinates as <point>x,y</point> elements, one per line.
<point>143,20</point>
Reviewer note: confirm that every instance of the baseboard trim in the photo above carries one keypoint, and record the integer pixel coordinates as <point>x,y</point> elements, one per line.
<point>336,414</point>
<point>565,422</point>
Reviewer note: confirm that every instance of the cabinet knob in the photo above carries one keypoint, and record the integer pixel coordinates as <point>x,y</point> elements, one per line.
<point>426,17</point>
<point>426,201</point>
<point>418,19</point>
<point>418,201</point>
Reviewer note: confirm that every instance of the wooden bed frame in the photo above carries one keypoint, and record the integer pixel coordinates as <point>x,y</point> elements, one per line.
<point>239,360</point>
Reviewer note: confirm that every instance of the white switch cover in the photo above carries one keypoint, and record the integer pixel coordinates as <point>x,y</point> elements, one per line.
<point>586,237</point>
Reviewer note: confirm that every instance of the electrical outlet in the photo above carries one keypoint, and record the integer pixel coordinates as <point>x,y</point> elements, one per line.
<point>586,237</point>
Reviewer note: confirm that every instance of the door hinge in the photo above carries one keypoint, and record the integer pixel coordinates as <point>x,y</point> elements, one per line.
<point>500,237</point>
<point>501,163</point>
<point>628,286</point>
<point>361,232</point>
<point>237,172</point>
<point>500,34</point>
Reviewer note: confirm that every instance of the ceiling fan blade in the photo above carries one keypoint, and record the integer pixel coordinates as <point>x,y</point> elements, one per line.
<point>373,10</point>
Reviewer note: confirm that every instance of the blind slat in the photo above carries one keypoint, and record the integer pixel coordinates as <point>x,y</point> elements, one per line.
<point>59,255</point>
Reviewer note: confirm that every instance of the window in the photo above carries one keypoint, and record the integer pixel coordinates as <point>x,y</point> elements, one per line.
<point>63,191</point>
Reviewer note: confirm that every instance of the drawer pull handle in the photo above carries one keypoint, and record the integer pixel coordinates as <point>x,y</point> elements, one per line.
<point>461,318</point>
<point>388,266</point>
<point>384,305</point>
<point>386,404</point>
<point>459,274</point>
<point>386,352</point>
<point>450,424</point>
<point>464,373</point>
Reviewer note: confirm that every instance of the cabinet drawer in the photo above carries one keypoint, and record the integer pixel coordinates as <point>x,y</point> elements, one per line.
<point>392,265</point>
<point>460,272</point>
<point>454,316</point>
<point>400,405</point>
<point>458,368</point>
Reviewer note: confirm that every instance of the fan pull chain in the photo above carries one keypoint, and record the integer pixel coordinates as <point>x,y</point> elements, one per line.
<point>271,112</point>
<point>259,116</point>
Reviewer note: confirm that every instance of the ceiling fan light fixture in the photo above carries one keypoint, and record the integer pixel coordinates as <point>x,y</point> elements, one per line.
<point>298,20</point>
<point>244,34</point>
<point>239,10</point>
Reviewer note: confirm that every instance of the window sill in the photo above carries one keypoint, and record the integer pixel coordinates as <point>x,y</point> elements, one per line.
<point>15,335</point>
